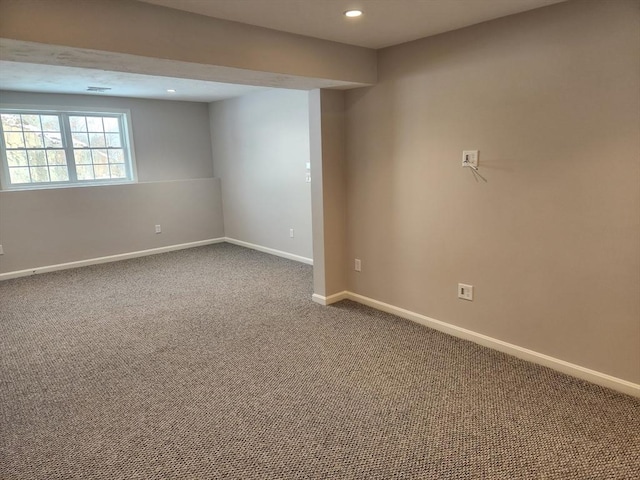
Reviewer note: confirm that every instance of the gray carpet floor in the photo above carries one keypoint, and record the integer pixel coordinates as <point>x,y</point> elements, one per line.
<point>213,363</point>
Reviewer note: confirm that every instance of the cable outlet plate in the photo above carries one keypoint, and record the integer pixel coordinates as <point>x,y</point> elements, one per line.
<point>470,158</point>
<point>465,292</point>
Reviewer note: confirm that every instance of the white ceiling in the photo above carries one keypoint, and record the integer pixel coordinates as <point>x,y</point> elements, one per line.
<point>384,23</point>
<point>33,77</point>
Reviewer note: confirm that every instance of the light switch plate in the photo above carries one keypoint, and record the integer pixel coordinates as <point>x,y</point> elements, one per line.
<point>465,292</point>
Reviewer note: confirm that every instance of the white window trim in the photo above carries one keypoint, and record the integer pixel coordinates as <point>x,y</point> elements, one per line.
<point>127,137</point>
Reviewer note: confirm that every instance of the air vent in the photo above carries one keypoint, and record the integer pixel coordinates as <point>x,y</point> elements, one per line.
<point>98,89</point>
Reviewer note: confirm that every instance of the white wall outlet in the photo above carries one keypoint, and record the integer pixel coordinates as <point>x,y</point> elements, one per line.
<point>465,292</point>
<point>470,158</point>
<point>358,265</point>
<point>158,229</point>
<point>291,232</point>
<point>1,250</point>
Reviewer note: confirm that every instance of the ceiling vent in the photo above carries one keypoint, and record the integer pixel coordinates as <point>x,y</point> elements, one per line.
<point>98,89</point>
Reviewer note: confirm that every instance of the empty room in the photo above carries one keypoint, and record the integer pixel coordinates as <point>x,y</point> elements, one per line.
<point>302,239</point>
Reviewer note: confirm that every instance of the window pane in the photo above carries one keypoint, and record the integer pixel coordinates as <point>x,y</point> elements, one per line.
<point>111,124</point>
<point>19,175</point>
<point>113,140</point>
<point>37,157</point>
<point>80,140</point>
<point>35,147</point>
<point>56,157</point>
<point>31,122</point>
<point>33,140</point>
<point>116,156</point>
<point>14,140</point>
<point>50,123</point>
<point>85,172</point>
<point>100,156</point>
<point>17,158</point>
<point>95,124</point>
<point>39,174</point>
<point>83,157</point>
<point>11,122</point>
<point>78,124</point>
<point>118,171</point>
<point>53,140</point>
<point>59,174</point>
<point>97,140</point>
<point>101,171</point>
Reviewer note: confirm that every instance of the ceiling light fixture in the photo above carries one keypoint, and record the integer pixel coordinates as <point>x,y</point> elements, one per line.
<point>171,90</point>
<point>353,13</point>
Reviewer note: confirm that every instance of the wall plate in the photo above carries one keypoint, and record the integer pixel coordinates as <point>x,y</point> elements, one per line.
<point>470,158</point>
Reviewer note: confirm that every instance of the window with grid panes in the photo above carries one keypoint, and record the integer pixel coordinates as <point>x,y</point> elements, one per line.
<point>57,149</point>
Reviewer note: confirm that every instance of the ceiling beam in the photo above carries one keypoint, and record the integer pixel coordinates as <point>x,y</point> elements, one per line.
<point>123,35</point>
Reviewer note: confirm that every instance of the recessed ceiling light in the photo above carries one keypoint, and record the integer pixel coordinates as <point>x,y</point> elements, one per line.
<point>171,90</point>
<point>353,13</point>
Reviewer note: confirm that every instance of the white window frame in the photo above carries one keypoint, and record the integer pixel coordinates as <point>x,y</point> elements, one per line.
<point>126,135</point>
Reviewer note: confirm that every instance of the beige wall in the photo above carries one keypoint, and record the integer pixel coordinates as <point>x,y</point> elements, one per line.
<point>54,226</point>
<point>550,97</point>
<point>551,241</point>
<point>176,190</point>
<point>329,191</point>
<point>260,151</point>
<point>171,138</point>
<point>149,31</point>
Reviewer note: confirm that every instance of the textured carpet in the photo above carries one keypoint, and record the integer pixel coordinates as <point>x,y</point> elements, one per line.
<point>213,363</point>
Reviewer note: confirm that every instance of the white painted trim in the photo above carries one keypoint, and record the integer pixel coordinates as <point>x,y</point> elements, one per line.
<point>110,258</point>
<point>272,251</point>
<point>336,297</point>
<point>583,373</point>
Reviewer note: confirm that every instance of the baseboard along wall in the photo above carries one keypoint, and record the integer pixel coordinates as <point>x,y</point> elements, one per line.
<point>577,371</point>
<point>151,251</point>
<point>272,251</point>
<point>574,370</point>
<point>107,259</point>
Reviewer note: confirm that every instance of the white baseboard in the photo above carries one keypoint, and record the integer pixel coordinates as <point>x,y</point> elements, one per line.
<point>110,258</point>
<point>151,251</point>
<point>272,251</point>
<point>583,373</point>
<point>336,297</point>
